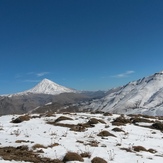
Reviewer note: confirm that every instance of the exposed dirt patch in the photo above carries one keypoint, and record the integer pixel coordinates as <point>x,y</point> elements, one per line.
<point>21,119</point>
<point>139,119</point>
<point>160,117</point>
<point>158,126</point>
<point>42,146</point>
<point>71,156</point>
<point>86,154</point>
<point>139,148</point>
<point>105,133</point>
<point>142,116</point>
<point>38,146</point>
<point>22,153</point>
<point>152,150</point>
<point>77,128</point>
<point>126,149</point>
<point>81,127</point>
<point>98,160</point>
<point>116,129</point>
<point>95,121</point>
<point>62,118</point>
<point>121,120</point>
<point>107,114</point>
<point>93,143</point>
<point>49,114</point>
<point>22,141</point>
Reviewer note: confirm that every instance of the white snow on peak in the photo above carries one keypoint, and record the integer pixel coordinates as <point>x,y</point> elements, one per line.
<point>161,72</point>
<point>47,86</point>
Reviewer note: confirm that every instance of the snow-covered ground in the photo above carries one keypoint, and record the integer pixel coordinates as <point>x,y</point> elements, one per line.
<point>37,131</point>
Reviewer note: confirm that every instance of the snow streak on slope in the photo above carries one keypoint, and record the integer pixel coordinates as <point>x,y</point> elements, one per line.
<point>141,96</point>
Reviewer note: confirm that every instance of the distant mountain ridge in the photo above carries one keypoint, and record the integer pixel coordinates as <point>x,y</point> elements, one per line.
<point>45,92</point>
<point>144,96</point>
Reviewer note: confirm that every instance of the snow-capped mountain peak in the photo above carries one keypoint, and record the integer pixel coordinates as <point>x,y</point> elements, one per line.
<point>47,86</point>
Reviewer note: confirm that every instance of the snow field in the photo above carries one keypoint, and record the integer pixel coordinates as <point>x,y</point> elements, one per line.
<point>37,131</point>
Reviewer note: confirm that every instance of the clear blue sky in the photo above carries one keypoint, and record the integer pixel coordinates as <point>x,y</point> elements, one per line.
<point>81,44</point>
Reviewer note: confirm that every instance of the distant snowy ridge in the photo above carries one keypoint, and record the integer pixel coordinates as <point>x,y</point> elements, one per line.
<point>143,96</point>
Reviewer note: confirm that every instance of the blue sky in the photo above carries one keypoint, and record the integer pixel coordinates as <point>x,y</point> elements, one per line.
<point>81,44</point>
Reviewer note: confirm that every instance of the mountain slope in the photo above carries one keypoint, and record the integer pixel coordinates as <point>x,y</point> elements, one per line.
<point>142,96</point>
<point>44,92</point>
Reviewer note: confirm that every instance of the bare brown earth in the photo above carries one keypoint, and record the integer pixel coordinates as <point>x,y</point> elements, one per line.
<point>22,153</point>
